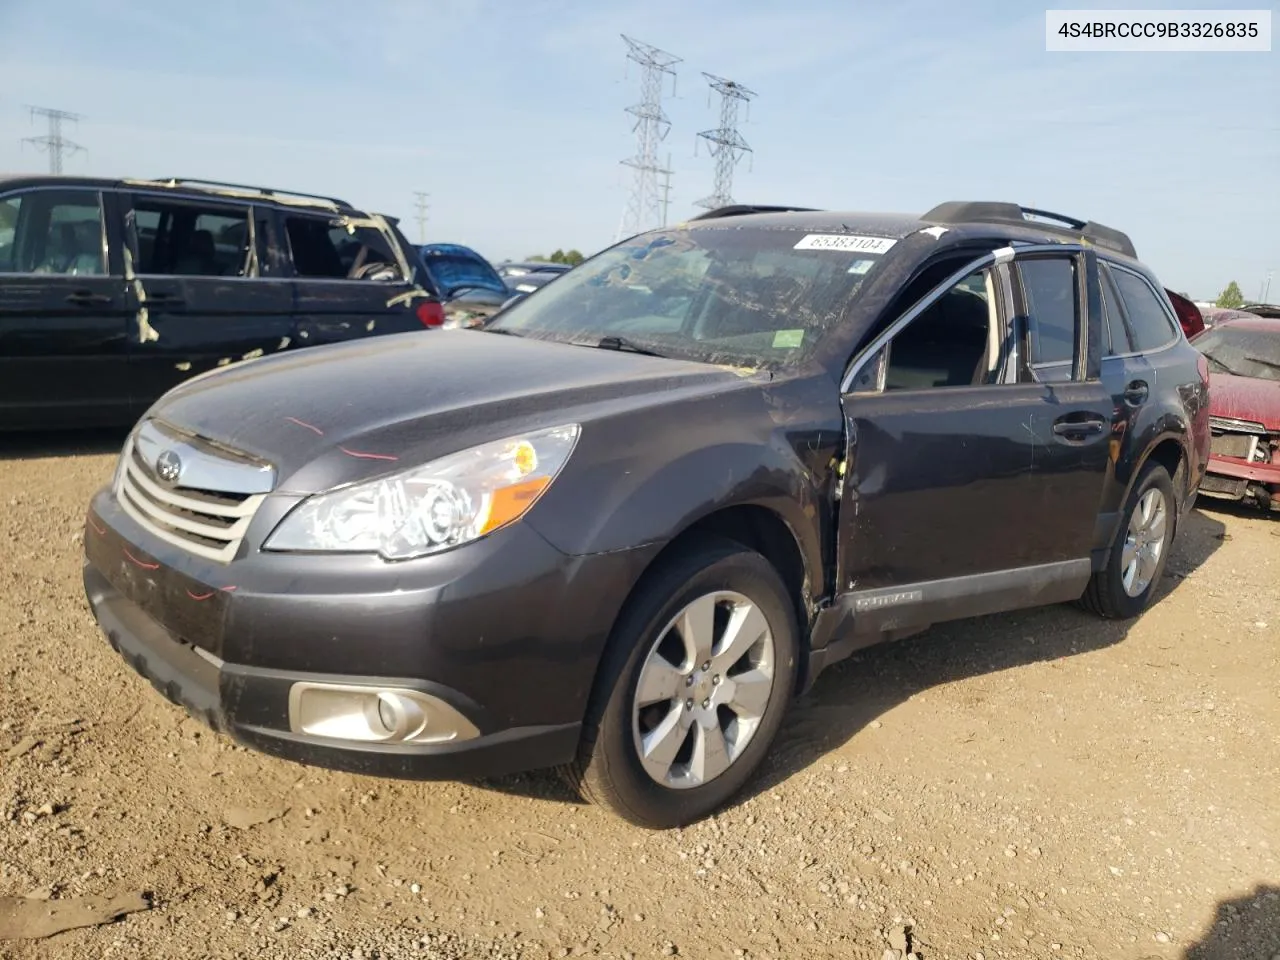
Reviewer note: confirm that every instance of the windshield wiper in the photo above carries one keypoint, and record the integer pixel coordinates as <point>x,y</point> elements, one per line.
<point>628,346</point>
<point>502,330</point>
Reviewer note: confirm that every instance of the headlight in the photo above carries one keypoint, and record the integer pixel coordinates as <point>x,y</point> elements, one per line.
<point>453,500</point>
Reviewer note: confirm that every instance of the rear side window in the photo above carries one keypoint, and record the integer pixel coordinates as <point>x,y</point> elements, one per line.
<point>1151,326</point>
<point>1050,290</point>
<point>333,250</point>
<point>52,231</point>
<point>191,240</point>
<point>1117,336</point>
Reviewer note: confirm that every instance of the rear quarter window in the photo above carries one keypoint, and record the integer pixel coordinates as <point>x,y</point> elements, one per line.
<point>1150,325</point>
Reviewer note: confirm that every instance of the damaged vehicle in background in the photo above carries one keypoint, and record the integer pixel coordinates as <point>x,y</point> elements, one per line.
<point>1244,410</point>
<point>622,526</point>
<point>523,279</point>
<point>114,291</point>
<point>1215,315</point>
<point>468,286</point>
<point>512,271</point>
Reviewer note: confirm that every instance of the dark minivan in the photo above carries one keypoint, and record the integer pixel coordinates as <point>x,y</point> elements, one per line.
<point>618,529</point>
<point>113,291</point>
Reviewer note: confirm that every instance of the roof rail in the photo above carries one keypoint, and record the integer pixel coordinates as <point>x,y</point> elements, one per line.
<point>243,188</point>
<point>741,209</point>
<point>963,211</point>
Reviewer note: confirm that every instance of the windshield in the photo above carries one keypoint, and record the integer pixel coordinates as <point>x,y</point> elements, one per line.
<point>744,296</point>
<point>452,267</point>
<point>1243,351</point>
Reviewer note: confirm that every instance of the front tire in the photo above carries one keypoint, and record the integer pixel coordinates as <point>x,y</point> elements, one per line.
<point>694,686</point>
<point>1125,587</point>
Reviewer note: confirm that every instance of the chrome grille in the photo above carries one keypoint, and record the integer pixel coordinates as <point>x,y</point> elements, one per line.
<point>1232,425</point>
<point>206,506</point>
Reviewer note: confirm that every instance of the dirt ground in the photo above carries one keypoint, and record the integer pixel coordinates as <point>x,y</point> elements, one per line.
<point>1040,784</point>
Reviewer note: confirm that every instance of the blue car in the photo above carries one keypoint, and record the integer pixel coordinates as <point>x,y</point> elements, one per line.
<point>466,283</point>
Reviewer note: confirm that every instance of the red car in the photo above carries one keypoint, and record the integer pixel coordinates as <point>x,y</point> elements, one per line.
<point>1244,410</point>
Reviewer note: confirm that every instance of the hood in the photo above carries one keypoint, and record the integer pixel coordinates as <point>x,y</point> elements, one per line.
<point>335,414</point>
<point>1245,398</point>
<point>458,269</point>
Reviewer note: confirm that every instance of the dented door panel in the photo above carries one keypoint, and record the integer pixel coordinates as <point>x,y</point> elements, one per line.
<point>194,324</point>
<point>964,486</point>
<point>332,311</point>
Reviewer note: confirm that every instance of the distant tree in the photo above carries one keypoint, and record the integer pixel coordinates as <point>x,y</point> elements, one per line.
<point>1184,295</point>
<point>1231,298</point>
<point>572,257</point>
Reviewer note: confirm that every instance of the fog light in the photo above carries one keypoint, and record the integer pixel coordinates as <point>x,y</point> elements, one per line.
<point>374,714</point>
<point>386,713</point>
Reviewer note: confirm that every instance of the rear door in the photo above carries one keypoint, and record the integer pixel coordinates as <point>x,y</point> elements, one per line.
<point>64,313</point>
<point>206,293</point>
<point>972,478</point>
<point>348,280</point>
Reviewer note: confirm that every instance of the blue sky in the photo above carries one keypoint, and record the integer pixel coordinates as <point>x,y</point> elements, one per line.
<point>510,113</point>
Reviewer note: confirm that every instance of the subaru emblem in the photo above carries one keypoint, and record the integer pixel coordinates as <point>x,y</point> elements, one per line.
<point>169,466</point>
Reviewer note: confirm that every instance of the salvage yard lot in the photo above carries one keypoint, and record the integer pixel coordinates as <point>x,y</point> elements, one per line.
<point>1038,784</point>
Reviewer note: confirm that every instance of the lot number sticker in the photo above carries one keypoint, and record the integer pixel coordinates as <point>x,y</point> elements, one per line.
<point>844,241</point>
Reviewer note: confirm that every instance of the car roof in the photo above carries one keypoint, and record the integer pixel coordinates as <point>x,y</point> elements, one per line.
<point>190,186</point>
<point>977,221</point>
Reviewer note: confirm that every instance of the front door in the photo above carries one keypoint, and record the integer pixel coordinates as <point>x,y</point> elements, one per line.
<point>972,484</point>
<point>64,312</point>
<point>205,290</point>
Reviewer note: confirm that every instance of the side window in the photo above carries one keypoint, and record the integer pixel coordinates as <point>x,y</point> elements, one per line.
<point>954,343</point>
<point>1152,327</point>
<point>1117,335</point>
<point>1049,286</point>
<point>9,207</point>
<point>52,231</point>
<point>191,240</point>
<point>333,250</point>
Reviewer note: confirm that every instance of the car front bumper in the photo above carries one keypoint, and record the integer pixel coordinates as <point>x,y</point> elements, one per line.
<point>1229,478</point>
<point>502,635</point>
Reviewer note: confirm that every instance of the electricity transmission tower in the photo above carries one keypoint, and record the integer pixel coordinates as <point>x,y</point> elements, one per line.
<point>421,205</point>
<point>645,205</point>
<point>54,143</point>
<point>726,143</point>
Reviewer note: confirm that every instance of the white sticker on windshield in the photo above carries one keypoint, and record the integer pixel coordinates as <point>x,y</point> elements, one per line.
<point>861,266</point>
<point>844,241</point>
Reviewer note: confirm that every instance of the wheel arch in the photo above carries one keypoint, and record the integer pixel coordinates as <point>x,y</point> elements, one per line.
<point>1170,451</point>
<point>756,527</point>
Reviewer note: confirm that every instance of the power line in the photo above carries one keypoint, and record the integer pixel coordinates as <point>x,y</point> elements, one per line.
<point>644,208</point>
<point>726,143</point>
<point>666,190</point>
<point>421,205</point>
<point>54,143</point>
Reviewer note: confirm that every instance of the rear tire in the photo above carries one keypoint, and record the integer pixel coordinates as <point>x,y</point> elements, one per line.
<point>693,688</point>
<point>1124,588</point>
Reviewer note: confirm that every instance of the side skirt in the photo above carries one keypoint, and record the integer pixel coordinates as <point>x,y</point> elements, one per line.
<point>865,618</point>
